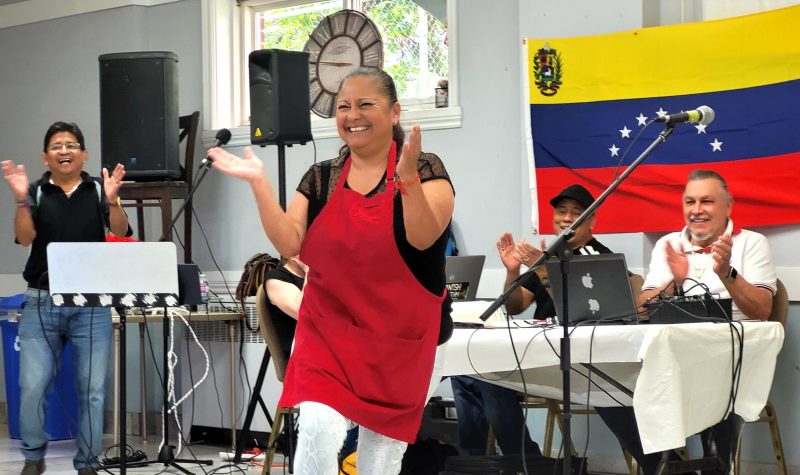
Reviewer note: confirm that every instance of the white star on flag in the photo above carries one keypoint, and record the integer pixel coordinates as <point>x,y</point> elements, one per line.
<point>614,150</point>
<point>716,145</point>
<point>701,128</point>
<point>661,112</point>
<point>642,120</point>
<point>625,131</point>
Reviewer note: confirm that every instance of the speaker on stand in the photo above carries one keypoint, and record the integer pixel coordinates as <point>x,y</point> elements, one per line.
<point>279,115</point>
<point>279,97</point>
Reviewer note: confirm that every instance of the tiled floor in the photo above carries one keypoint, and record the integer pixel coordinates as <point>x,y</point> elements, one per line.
<point>60,453</point>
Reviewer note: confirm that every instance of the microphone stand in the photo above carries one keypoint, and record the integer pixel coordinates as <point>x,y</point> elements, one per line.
<point>187,203</point>
<point>166,454</point>
<point>560,248</point>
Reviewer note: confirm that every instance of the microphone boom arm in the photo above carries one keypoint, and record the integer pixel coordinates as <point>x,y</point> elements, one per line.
<point>559,245</point>
<point>186,202</point>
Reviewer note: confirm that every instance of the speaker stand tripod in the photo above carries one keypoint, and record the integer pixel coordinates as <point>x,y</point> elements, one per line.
<point>256,398</point>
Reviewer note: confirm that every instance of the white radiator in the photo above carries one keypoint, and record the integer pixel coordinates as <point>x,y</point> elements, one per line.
<point>211,404</point>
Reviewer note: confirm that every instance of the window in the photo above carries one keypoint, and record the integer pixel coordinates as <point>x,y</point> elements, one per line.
<point>418,53</point>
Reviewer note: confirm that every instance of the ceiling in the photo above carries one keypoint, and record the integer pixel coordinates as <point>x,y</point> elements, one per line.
<point>6,2</point>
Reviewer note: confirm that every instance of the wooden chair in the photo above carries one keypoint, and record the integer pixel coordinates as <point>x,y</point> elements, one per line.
<point>161,193</point>
<point>553,407</point>
<point>779,313</point>
<point>636,282</point>
<point>279,362</point>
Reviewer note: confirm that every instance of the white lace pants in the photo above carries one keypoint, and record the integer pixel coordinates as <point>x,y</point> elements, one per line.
<point>322,430</point>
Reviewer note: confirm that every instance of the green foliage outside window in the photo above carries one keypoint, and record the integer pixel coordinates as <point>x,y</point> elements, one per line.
<point>397,20</point>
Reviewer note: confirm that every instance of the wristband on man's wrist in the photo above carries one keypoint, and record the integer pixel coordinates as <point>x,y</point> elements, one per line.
<point>24,202</point>
<point>732,274</point>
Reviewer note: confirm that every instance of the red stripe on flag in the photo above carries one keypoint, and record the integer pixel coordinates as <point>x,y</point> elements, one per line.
<point>650,199</point>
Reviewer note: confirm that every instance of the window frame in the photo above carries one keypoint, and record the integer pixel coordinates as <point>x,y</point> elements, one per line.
<point>225,72</point>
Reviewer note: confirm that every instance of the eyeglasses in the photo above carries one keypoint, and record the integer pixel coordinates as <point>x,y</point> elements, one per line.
<point>71,146</point>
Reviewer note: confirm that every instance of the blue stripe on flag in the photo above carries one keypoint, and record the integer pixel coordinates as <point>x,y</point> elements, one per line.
<point>750,123</point>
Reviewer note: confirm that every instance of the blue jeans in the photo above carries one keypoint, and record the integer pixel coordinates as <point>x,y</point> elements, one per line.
<point>480,404</point>
<point>43,329</point>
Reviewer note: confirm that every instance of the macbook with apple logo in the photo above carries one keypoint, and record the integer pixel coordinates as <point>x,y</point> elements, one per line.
<point>598,289</point>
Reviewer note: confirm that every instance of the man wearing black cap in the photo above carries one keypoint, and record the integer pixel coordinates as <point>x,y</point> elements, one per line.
<point>568,205</point>
<point>480,404</point>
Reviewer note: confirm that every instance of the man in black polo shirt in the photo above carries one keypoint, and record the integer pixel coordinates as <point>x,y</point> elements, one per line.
<point>480,404</point>
<point>64,205</point>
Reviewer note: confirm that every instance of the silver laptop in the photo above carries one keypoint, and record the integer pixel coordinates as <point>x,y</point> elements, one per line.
<point>463,273</point>
<point>128,274</point>
<point>599,288</point>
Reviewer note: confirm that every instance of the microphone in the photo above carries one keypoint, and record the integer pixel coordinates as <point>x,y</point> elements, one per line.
<point>703,115</point>
<point>223,136</point>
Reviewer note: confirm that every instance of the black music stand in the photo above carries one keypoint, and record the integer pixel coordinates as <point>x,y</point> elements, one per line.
<point>142,274</point>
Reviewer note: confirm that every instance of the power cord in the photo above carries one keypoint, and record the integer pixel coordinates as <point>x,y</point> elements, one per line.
<point>161,379</point>
<point>130,456</point>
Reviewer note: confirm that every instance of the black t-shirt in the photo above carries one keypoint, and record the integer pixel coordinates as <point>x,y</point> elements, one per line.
<point>427,265</point>
<point>284,324</point>
<point>544,303</point>
<point>57,218</point>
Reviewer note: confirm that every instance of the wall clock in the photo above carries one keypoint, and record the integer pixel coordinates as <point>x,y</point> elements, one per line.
<point>341,43</point>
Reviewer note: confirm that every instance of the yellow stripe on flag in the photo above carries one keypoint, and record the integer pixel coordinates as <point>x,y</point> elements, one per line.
<point>693,58</point>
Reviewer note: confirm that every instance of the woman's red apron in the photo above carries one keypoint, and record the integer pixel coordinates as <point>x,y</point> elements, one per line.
<point>367,330</point>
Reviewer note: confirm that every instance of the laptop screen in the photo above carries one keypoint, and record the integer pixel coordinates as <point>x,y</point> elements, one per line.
<point>598,288</point>
<point>462,274</point>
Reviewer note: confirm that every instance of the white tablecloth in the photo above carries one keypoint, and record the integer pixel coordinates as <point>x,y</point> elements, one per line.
<point>680,374</point>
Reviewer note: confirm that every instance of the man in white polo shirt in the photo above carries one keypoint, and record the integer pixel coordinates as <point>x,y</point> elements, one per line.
<point>709,252</point>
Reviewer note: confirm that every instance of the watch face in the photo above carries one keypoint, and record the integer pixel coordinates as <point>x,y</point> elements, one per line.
<point>341,43</point>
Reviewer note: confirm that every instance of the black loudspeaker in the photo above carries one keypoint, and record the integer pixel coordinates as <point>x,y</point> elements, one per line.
<point>189,285</point>
<point>279,103</point>
<point>139,114</point>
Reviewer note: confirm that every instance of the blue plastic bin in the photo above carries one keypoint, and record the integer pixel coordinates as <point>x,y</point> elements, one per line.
<point>61,414</point>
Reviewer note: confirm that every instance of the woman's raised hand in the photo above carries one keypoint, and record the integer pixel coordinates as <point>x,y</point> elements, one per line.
<point>407,166</point>
<point>250,168</point>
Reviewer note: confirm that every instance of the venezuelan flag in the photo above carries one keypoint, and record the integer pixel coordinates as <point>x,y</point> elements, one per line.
<point>590,96</point>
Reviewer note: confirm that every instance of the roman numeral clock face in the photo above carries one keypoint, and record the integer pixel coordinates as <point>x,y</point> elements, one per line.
<point>340,44</point>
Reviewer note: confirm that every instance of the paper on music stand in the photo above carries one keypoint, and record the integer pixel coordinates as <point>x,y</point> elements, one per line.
<point>113,274</point>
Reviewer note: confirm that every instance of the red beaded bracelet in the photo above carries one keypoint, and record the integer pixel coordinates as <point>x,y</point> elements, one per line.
<point>402,185</point>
